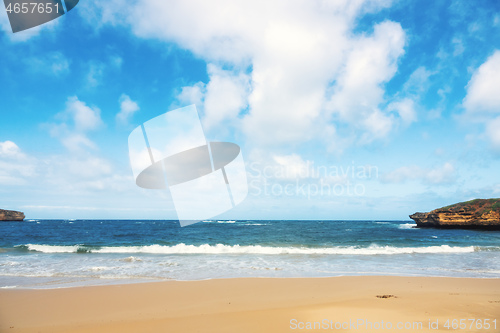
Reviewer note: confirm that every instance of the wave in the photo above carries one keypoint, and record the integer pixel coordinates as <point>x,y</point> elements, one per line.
<point>220,221</point>
<point>239,223</point>
<point>253,249</point>
<point>56,248</point>
<point>407,226</point>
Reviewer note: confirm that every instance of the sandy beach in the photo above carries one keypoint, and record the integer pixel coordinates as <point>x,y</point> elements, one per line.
<point>356,303</point>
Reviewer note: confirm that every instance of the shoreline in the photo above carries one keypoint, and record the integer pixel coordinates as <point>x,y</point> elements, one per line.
<point>250,304</point>
<point>54,283</point>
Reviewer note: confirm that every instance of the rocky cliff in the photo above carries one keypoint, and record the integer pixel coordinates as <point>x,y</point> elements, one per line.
<point>474,214</point>
<point>11,215</point>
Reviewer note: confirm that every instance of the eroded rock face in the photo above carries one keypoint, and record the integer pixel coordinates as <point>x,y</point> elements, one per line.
<point>11,215</point>
<point>474,214</point>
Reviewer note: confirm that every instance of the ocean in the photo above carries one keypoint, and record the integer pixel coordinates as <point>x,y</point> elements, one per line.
<point>64,253</point>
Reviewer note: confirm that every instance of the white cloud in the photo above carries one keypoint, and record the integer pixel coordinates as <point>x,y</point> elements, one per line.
<point>97,69</point>
<point>10,150</point>
<point>493,133</point>
<point>225,96</point>
<point>67,174</point>
<point>54,63</point>
<point>406,110</point>
<point>98,13</point>
<point>80,170</point>
<point>482,101</point>
<point>76,141</point>
<point>95,73</point>
<point>194,94</point>
<point>408,100</point>
<point>359,91</point>
<point>291,166</point>
<point>127,109</point>
<point>441,175</point>
<point>83,173</point>
<point>290,66</point>
<point>85,118</point>
<point>377,124</point>
<point>483,88</point>
<point>418,82</point>
<point>77,119</point>
<point>15,166</point>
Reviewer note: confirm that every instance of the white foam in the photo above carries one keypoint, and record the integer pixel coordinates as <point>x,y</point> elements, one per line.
<point>100,268</point>
<point>255,249</point>
<point>53,248</point>
<point>266,268</point>
<point>10,263</point>
<point>130,259</point>
<point>407,226</point>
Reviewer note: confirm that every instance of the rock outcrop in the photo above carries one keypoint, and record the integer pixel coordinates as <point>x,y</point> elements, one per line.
<point>11,215</point>
<point>474,214</point>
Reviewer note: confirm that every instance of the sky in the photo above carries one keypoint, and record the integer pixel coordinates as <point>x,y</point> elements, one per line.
<point>343,109</point>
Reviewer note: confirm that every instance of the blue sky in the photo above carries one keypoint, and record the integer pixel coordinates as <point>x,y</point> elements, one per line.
<point>409,90</point>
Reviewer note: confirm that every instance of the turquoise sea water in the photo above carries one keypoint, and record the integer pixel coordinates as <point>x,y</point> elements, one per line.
<point>57,253</point>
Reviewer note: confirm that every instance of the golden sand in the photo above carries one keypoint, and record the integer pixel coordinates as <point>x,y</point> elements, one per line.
<point>338,304</point>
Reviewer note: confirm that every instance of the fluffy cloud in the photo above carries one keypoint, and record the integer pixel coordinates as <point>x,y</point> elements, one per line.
<point>482,90</point>
<point>80,170</point>
<point>192,94</point>
<point>283,72</point>
<point>371,62</point>
<point>127,109</point>
<point>292,166</point>
<point>15,166</point>
<point>482,101</point>
<point>440,175</point>
<point>406,110</point>
<point>10,150</point>
<point>77,120</point>
<point>225,95</point>
<point>69,174</point>
<point>84,173</point>
<point>84,118</point>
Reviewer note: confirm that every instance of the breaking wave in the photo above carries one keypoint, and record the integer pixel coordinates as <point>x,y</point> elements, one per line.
<point>252,249</point>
